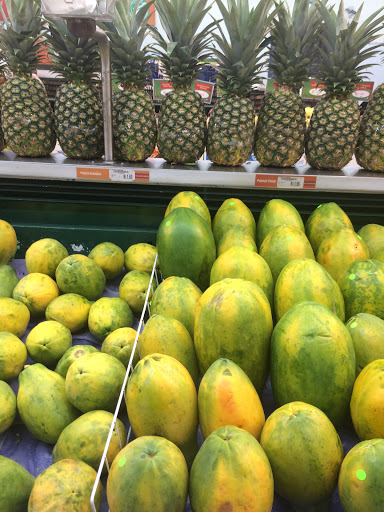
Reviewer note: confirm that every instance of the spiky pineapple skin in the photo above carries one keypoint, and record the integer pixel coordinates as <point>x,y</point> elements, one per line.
<point>27,117</point>
<point>134,125</point>
<point>2,141</point>
<point>370,145</point>
<point>332,133</point>
<point>280,129</point>
<point>182,127</point>
<point>79,121</point>
<point>231,131</point>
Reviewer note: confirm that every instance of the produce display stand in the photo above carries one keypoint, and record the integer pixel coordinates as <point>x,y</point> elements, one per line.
<point>83,203</point>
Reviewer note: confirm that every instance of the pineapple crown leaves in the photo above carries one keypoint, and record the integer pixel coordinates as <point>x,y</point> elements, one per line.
<point>292,38</point>
<point>240,55</point>
<point>76,59</point>
<point>22,35</point>
<point>184,48</point>
<point>345,46</point>
<point>129,54</point>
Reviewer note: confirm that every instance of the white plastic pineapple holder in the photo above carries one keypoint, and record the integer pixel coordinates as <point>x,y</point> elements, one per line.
<point>82,16</point>
<point>99,10</point>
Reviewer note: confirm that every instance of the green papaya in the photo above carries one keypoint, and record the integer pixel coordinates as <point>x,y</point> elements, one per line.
<point>71,355</point>
<point>8,280</point>
<point>16,486</point>
<point>43,404</point>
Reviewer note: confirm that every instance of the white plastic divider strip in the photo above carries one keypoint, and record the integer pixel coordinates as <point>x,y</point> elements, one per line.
<point>113,428</point>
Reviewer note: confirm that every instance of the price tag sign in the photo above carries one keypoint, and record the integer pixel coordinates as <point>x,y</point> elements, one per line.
<point>290,182</point>
<point>122,175</point>
<point>284,181</point>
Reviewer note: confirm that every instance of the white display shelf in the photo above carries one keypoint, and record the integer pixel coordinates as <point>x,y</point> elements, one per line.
<point>156,171</point>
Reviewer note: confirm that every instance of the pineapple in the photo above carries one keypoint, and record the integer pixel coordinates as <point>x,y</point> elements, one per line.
<point>134,121</point>
<point>370,145</point>
<point>78,108</point>
<point>27,117</point>
<point>232,122</point>
<point>334,127</point>
<point>280,132</point>
<point>182,120</point>
<point>2,68</point>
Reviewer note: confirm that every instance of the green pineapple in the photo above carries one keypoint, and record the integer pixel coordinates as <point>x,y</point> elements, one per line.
<point>134,121</point>
<point>232,122</point>
<point>26,115</point>
<point>281,126</point>
<point>182,120</point>
<point>334,127</point>
<point>2,69</point>
<point>78,108</point>
<point>370,145</point>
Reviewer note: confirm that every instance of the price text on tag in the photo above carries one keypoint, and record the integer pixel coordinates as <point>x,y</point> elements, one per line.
<point>122,175</point>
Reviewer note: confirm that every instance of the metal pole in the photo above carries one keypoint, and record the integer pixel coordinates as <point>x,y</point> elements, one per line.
<point>101,37</point>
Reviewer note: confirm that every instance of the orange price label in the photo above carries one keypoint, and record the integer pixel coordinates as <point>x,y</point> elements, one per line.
<point>92,173</point>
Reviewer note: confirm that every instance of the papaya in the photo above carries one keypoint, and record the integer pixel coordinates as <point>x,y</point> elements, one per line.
<point>109,257</point>
<point>177,298</point>
<point>165,335</point>
<point>236,236</point>
<point>8,280</point>
<point>233,212</point>
<point>161,400</point>
<point>231,472</point>
<point>379,256</point>
<point>8,242</point>
<point>94,381</point>
<point>362,286</point>
<point>81,275</point>
<point>85,439</point>
<point>36,291</point>
<point>274,213</point>
<point>306,280</point>
<point>313,360</point>
<point>302,445</point>
<point>227,397</point>
<point>189,199</point>
<point>233,320</point>
<point>16,486</point>
<point>108,314</point>
<point>133,289</point>
<point>71,310</point>
<point>120,344</point>
<point>13,356</point>
<point>70,356</point>
<point>186,247</point>
<point>284,244</point>
<point>14,316</point>
<point>367,333</point>
<point>242,263</point>
<point>149,462</point>
<point>340,249</point>
<point>323,221</point>
<point>373,236</point>
<point>7,406</point>
<point>66,485</point>
<point>367,402</point>
<point>361,478</point>
<point>44,255</point>
<point>140,257</point>
<point>42,403</point>
<point>48,341</point>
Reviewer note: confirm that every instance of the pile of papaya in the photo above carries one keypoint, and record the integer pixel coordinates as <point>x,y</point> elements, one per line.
<point>246,308</point>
